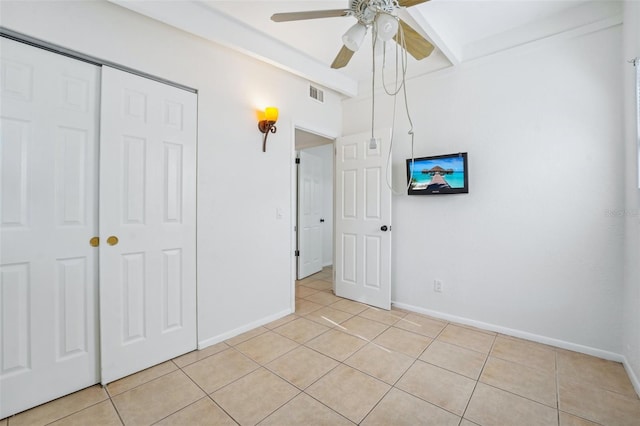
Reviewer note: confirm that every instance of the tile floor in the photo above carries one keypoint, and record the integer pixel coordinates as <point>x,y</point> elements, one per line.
<point>337,362</point>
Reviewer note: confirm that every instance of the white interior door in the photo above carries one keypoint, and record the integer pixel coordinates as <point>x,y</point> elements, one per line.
<point>147,187</point>
<point>48,214</point>
<point>310,219</point>
<point>363,220</point>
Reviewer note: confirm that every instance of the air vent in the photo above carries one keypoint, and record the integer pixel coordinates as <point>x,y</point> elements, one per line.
<point>317,94</point>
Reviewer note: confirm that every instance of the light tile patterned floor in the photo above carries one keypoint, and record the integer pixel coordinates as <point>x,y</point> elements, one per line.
<point>337,362</point>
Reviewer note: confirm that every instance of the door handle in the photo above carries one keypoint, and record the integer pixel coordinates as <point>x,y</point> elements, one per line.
<point>112,240</point>
<point>384,228</point>
<point>321,220</point>
<point>94,242</point>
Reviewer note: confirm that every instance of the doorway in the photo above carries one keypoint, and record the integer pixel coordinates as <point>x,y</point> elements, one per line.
<point>314,203</point>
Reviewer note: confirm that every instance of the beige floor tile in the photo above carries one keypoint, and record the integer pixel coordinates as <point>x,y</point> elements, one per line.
<point>301,330</point>
<point>246,336</point>
<point>455,358</point>
<point>141,377</point>
<point>304,410</point>
<point>204,412</point>
<point>323,298</point>
<point>467,338</point>
<point>157,399</point>
<point>380,315</point>
<point>596,371</point>
<point>302,292</point>
<point>399,408</point>
<point>198,355</point>
<point>364,328</point>
<point>571,420</point>
<point>597,404</point>
<point>406,342</point>
<point>304,307</point>
<point>336,344</point>
<point>420,324</point>
<point>102,414</point>
<point>220,369</point>
<point>466,422</point>
<point>349,392</point>
<point>61,407</point>
<point>443,388</point>
<point>526,353</point>
<point>319,284</point>
<point>349,306</point>
<point>328,316</point>
<point>490,406</point>
<point>266,347</point>
<point>538,385</point>
<point>282,321</point>
<point>255,396</point>
<point>380,362</point>
<point>302,366</point>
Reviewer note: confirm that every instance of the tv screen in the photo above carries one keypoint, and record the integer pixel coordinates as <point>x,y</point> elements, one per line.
<point>439,174</point>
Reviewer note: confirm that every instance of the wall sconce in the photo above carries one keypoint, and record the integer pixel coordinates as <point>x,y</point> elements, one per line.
<point>268,124</point>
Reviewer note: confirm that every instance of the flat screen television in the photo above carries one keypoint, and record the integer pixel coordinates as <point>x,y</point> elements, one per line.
<point>439,174</point>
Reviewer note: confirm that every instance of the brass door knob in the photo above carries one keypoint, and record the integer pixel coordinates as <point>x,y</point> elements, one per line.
<point>94,242</point>
<point>112,240</point>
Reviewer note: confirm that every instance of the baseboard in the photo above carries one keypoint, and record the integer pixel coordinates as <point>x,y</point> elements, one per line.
<point>635,381</point>
<point>236,331</point>
<point>518,333</point>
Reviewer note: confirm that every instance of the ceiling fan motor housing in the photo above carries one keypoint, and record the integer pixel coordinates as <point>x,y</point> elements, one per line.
<point>365,11</point>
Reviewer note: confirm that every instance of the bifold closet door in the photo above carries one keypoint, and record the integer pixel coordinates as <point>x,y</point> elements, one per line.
<point>147,223</point>
<point>48,214</point>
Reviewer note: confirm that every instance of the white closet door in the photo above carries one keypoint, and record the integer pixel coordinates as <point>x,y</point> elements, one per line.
<point>147,201</point>
<point>48,214</point>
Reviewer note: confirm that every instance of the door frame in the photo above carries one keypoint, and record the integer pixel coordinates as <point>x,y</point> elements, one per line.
<point>294,198</point>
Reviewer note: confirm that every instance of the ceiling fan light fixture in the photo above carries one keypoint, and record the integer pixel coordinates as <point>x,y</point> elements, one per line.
<point>387,26</point>
<point>354,37</point>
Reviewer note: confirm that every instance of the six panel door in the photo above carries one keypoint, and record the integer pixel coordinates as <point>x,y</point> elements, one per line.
<point>48,214</point>
<point>309,214</point>
<point>363,220</point>
<point>147,202</point>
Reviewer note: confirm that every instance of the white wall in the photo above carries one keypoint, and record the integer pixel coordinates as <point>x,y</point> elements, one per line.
<point>326,153</point>
<point>530,250</point>
<point>630,215</point>
<point>245,260</point>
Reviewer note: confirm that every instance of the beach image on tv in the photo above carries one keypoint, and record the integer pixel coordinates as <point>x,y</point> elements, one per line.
<point>438,174</point>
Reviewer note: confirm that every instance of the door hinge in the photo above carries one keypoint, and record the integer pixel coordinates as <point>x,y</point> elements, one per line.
<point>297,253</point>
<point>297,160</point>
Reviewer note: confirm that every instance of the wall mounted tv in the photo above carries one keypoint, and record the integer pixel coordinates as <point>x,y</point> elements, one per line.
<point>439,174</point>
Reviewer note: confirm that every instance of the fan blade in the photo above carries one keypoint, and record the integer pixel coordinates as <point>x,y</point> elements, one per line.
<point>311,14</point>
<point>417,45</point>
<point>409,3</point>
<point>343,58</point>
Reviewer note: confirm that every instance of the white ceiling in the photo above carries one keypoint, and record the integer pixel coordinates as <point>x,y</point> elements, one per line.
<point>461,30</point>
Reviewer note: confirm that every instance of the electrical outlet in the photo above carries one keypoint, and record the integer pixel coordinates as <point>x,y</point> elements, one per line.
<point>437,286</point>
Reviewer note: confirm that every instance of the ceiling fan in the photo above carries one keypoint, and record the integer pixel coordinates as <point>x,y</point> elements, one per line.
<point>379,13</point>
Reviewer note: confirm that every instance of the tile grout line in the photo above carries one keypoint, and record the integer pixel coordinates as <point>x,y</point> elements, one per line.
<point>113,404</point>
<point>495,338</point>
<point>206,395</point>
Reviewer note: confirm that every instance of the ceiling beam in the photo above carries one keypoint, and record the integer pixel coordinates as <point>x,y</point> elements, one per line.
<point>195,18</point>
<point>418,22</point>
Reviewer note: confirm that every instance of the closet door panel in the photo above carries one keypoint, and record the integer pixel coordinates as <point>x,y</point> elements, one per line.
<point>48,214</point>
<point>147,201</point>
